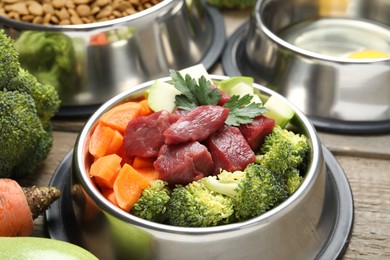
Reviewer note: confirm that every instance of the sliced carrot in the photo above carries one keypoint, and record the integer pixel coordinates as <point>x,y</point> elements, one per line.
<point>118,117</point>
<point>100,140</point>
<point>150,174</point>
<point>109,194</point>
<point>142,162</point>
<point>98,39</point>
<point>105,170</point>
<point>145,108</point>
<point>128,187</point>
<point>15,215</point>
<point>116,143</point>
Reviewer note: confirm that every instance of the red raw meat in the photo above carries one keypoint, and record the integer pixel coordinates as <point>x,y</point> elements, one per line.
<point>183,163</point>
<point>144,135</point>
<point>229,150</point>
<point>196,125</point>
<point>255,132</point>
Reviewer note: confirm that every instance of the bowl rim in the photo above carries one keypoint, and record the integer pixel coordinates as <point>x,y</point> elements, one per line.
<point>78,164</point>
<point>257,17</point>
<point>90,26</point>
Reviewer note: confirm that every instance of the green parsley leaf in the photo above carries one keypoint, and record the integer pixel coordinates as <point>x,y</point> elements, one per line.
<point>193,94</point>
<point>242,111</point>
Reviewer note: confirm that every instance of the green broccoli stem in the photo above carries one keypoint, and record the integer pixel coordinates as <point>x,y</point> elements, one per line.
<point>228,189</point>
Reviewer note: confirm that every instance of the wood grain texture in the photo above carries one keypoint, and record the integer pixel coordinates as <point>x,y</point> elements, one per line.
<point>370,183</point>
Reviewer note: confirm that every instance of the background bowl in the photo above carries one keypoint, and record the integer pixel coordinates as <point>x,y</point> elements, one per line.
<point>329,89</point>
<point>142,46</point>
<point>300,227</point>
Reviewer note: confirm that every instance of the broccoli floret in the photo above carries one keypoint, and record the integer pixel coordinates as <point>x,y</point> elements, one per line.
<point>241,4</point>
<point>49,56</point>
<point>194,205</point>
<point>254,190</point>
<point>153,203</point>
<point>9,60</point>
<point>46,97</point>
<point>26,108</point>
<point>285,153</point>
<point>24,142</point>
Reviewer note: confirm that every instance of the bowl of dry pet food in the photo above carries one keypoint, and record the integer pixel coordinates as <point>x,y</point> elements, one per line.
<point>91,50</point>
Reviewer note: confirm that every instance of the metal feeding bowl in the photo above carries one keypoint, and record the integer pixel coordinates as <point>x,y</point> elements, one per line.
<point>313,223</point>
<point>108,57</point>
<point>330,58</point>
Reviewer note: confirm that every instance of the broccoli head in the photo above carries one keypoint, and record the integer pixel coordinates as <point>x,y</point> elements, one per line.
<point>285,153</point>
<point>194,205</point>
<point>45,96</point>
<point>24,142</point>
<point>56,60</point>
<point>153,203</point>
<point>254,190</point>
<point>241,4</point>
<point>9,60</point>
<point>26,108</point>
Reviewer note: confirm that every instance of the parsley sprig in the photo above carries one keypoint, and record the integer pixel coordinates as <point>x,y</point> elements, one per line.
<point>193,94</point>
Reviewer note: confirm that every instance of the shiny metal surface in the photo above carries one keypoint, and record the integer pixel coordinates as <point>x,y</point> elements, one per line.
<point>172,34</point>
<point>297,228</point>
<point>319,85</point>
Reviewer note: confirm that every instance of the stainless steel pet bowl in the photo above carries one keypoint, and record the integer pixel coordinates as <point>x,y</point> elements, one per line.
<point>313,223</point>
<point>336,92</point>
<point>172,34</point>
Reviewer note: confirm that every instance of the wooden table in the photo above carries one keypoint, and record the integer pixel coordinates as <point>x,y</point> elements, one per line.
<point>365,160</point>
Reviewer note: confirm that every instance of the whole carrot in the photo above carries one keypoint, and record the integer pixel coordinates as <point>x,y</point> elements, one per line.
<point>19,206</point>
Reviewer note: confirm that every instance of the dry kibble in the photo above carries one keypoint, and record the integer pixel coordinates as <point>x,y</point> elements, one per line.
<point>46,19</point>
<point>70,4</point>
<point>61,12</point>
<point>35,8</point>
<point>78,2</point>
<point>105,12</point>
<point>54,19</point>
<point>83,10</point>
<point>65,22</point>
<point>59,3</point>
<point>102,2</point>
<point>9,1</point>
<point>27,18</point>
<point>75,20</point>
<point>95,10</point>
<point>37,19</point>
<point>20,8</point>
<point>48,8</point>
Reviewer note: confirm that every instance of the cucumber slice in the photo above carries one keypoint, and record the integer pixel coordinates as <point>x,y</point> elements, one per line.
<point>161,96</point>
<point>239,86</point>
<point>196,72</point>
<point>279,111</point>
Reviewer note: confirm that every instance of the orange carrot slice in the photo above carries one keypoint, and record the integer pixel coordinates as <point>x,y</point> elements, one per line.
<point>150,174</point>
<point>98,39</point>
<point>100,140</point>
<point>15,215</point>
<point>105,170</point>
<point>145,108</point>
<point>118,117</point>
<point>109,194</point>
<point>128,187</point>
<point>115,143</point>
<point>142,162</point>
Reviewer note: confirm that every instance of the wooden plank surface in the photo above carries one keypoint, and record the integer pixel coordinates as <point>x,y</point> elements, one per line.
<point>365,160</point>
